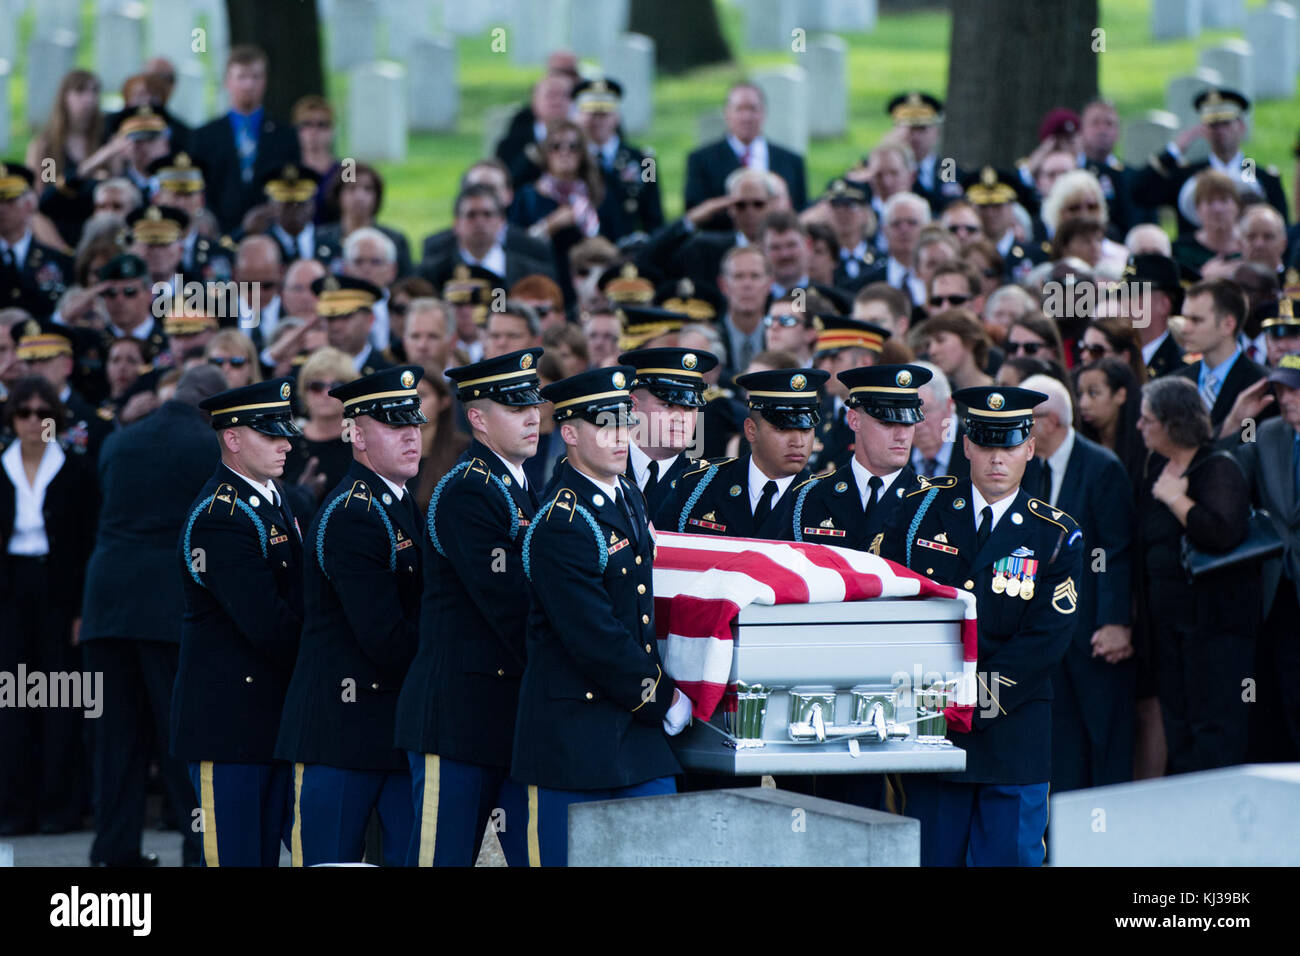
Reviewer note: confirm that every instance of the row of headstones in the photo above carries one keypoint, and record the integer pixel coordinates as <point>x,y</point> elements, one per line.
<point>1272,34</point>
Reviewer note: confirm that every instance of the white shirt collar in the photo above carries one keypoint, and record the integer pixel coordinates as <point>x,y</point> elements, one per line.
<point>19,249</point>
<point>611,491</point>
<point>756,482</point>
<point>608,150</point>
<point>863,479</point>
<point>1151,348</point>
<point>516,473</point>
<point>141,331</point>
<point>641,464</point>
<point>359,360</point>
<point>943,456</point>
<point>267,490</point>
<point>1057,461</point>
<point>757,151</point>
<point>978,504</point>
<point>494,260</point>
<point>399,492</point>
<point>28,534</point>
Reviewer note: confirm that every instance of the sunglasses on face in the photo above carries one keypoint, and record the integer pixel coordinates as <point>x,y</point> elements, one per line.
<point>568,146</point>
<point>1094,351</point>
<point>959,228</point>
<point>235,361</point>
<point>397,308</point>
<point>319,388</point>
<point>939,300</point>
<point>785,321</point>
<point>26,412</point>
<point>1029,348</point>
<point>127,291</point>
<point>743,204</point>
<point>543,310</point>
<point>1076,206</point>
<point>315,124</point>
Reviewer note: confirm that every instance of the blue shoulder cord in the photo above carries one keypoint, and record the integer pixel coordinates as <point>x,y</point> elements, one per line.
<point>916,521</point>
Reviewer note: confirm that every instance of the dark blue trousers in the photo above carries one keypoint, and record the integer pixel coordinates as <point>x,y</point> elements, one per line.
<point>244,806</point>
<point>331,809</point>
<point>548,815</point>
<point>453,803</point>
<point>977,824</point>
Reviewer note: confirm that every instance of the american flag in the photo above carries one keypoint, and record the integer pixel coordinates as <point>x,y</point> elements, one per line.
<point>701,582</point>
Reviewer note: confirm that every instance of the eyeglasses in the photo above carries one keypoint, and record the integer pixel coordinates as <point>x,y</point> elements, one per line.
<point>317,388</point>
<point>127,291</point>
<point>543,310</point>
<point>397,308</point>
<point>1029,348</point>
<point>957,229</point>
<point>571,146</point>
<point>315,124</point>
<point>235,361</point>
<point>938,300</point>
<point>743,204</point>
<point>28,412</point>
<point>1095,351</point>
<point>785,321</point>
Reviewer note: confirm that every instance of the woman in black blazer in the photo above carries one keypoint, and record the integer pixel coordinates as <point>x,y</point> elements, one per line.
<point>1202,633</point>
<point>48,504</point>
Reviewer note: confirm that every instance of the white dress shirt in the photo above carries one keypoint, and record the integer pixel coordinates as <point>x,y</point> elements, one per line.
<point>999,508</point>
<point>141,331</point>
<point>28,538</point>
<point>894,272</point>
<point>641,465</point>
<point>1057,461</point>
<point>399,491</point>
<point>756,482</point>
<point>863,477</point>
<point>494,260</point>
<point>1151,348</point>
<point>19,249</point>
<point>268,491</point>
<point>516,473</point>
<point>303,244</point>
<point>942,458</point>
<point>758,158</point>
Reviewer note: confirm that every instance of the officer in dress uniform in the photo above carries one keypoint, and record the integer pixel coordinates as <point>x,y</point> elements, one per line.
<point>920,115</point>
<point>595,706</point>
<point>241,562</point>
<point>181,183</point>
<point>631,204</point>
<point>752,496</point>
<point>1022,559</point>
<point>33,276</point>
<point>456,712</point>
<point>291,193</point>
<point>849,507</point>
<point>842,343</point>
<point>157,234</point>
<point>361,620</point>
<point>667,393</point>
<point>993,192</point>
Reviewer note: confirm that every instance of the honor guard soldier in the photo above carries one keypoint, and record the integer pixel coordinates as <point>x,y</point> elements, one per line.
<point>456,712</point>
<point>1022,559</point>
<point>241,563</point>
<point>631,204</point>
<point>849,507</point>
<point>751,496</point>
<point>842,343</point>
<point>595,706</point>
<point>361,596</point>
<point>667,390</point>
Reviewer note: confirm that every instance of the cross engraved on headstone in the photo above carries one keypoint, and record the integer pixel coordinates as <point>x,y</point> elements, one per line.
<point>719,824</point>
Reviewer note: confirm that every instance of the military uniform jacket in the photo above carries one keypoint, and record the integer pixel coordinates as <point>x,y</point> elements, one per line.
<point>1021,642</point>
<point>361,601</point>
<point>828,510</point>
<point>714,499</point>
<point>1163,179</point>
<point>241,567</point>
<point>631,204</point>
<point>38,283</point>
<point>594,693</point>
<point>834,441</point>
<point>1168,358</point>
<point>210,260</point>
<point>462,688</point>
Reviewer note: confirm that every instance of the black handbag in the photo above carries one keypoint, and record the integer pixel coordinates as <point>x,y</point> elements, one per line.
<point>1262,542</point>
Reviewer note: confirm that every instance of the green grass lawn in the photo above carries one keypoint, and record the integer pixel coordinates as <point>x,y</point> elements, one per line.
<point>904,51</point>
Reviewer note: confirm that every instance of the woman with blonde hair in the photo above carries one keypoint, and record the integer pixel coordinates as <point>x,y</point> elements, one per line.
<point>320,457</point>
<point>234,356</point>
<point>1078,195</point>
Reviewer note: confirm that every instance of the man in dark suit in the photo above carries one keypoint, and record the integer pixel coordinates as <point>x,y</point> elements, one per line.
<point>1169,179</point>
<point>240,148</point>
<point>1214,311</point>
<point>595,706</point>
<point>33,276</point>
<point>149,475</point>
<point>361,600</point>
<point>513,239</point>
<point>667,394</point>
<point>707,168</point>
<point>241,563</point>
<point>1022,559</point>
<point>1272,467</point>
<point>1094,688</point>
<point>753,496</point>
<point>478,225</point>
<point>456,712</point>
<point>631,202</point>
<point>936,441</point>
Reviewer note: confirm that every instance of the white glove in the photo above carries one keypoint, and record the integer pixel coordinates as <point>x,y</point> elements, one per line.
<point>679,715</point>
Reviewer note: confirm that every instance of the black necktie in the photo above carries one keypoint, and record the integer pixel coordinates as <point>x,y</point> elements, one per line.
<point>1046,493</point>
<point>986,527</point>
<point>765,504</point>
<point>873,495</point>
<point>652,470</point>
<point>929,466</point>
<point>412,508</point>
<point>620,499</point>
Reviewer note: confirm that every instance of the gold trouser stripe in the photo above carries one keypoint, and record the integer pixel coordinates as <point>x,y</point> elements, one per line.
<point>295,839</point>
<point>208,805</point>
<point>534,844</point>
<point>429,809</point>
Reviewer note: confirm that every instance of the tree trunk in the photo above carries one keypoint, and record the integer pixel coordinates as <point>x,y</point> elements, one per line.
<point>686,33</point>
<point>289,32</point>
<point>1009,63</point>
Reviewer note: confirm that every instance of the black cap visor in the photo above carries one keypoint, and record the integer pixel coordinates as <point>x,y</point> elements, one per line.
<point>1001,435</point>
<point>276,427</point>
<point>674,394</point>
<point>604,412</point>
<point>791,419</point>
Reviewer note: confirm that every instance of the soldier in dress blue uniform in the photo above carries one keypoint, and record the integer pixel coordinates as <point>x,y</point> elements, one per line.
<point>1022,559</point>
<point>241,563</point>
<point>595,706</point>
<point>456,712</point>
<point>667,393</point>
<point>361,600</point>
<point>752,496</point>
<point>842,343</point>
